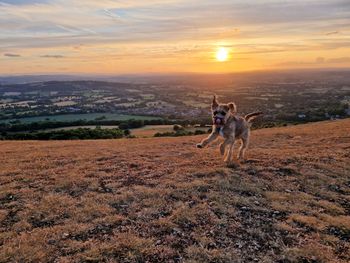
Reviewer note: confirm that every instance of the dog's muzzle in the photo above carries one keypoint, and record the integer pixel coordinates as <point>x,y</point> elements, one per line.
<point>218,121</point>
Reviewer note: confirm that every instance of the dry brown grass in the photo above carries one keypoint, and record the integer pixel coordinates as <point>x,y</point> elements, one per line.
<point>163,200</point>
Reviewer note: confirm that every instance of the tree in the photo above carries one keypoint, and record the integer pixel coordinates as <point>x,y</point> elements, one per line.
<point>127,132</point>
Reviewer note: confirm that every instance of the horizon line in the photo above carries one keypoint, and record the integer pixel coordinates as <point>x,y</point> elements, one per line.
<point>174,73</point>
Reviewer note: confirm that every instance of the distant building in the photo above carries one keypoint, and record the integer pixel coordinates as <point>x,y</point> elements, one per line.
<point>301,116</point>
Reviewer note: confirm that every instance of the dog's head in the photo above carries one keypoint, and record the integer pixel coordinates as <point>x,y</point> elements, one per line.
<point>221,112</point>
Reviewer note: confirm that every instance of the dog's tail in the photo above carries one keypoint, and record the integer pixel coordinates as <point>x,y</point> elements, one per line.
<point>251,116</point>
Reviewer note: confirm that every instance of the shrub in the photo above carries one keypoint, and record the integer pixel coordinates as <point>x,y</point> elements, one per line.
<point>178,128</point>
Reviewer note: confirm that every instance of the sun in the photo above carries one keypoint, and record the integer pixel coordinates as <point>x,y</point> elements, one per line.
<point>222,54</point>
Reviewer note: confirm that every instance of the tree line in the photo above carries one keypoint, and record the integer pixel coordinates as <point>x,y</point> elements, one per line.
<point>73,134</point>
<point>17,126</point>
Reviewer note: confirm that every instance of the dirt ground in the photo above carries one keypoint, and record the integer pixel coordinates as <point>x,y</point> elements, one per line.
<point>163,200</point>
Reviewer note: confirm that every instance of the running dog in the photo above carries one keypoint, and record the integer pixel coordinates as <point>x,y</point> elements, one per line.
<point>231,127</point>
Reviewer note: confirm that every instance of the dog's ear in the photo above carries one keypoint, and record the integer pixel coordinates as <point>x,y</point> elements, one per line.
<point>214,104</point>
<point>232,106</point>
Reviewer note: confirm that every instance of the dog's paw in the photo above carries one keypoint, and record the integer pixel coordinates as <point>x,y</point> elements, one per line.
<point>198,145</point>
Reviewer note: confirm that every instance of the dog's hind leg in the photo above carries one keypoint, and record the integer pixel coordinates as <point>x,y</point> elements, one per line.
<point>243,148</point>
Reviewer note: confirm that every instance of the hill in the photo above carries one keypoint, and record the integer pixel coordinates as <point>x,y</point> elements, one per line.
<point>163,200</point>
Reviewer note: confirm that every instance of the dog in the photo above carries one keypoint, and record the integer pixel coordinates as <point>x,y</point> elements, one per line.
<point>231,127</point>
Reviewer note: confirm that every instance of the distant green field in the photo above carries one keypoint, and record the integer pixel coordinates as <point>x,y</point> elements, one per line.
<point>87,117</point>
<point>151,130</point>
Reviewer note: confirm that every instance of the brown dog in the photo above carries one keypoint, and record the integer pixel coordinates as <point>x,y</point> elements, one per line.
<point>231,127</point>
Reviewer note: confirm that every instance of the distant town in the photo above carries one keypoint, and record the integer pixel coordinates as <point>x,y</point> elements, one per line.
<point>284,98</point>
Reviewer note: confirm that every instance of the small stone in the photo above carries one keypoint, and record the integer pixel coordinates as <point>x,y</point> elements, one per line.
<point>176,230</point>
<point>65,235</point>
<point>51,241</point>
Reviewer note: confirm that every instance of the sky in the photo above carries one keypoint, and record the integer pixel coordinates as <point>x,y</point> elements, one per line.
<point>171,36</point>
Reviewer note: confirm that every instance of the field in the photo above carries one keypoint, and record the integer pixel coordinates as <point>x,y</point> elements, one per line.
<point>87,116</point>
<point>151,130</point>
<point>163,200</point>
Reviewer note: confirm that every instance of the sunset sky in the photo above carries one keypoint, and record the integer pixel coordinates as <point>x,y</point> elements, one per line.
<point>165,36</point>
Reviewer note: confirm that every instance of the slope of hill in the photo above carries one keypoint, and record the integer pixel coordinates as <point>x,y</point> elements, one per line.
<point>163,200</point>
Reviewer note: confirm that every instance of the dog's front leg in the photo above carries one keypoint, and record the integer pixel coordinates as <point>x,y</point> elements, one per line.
<point>228,144</point>
<point>208,140</point>
<point>223,147</point>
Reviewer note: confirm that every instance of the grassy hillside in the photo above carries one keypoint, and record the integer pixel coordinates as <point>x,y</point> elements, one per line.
<point>163,200</point>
